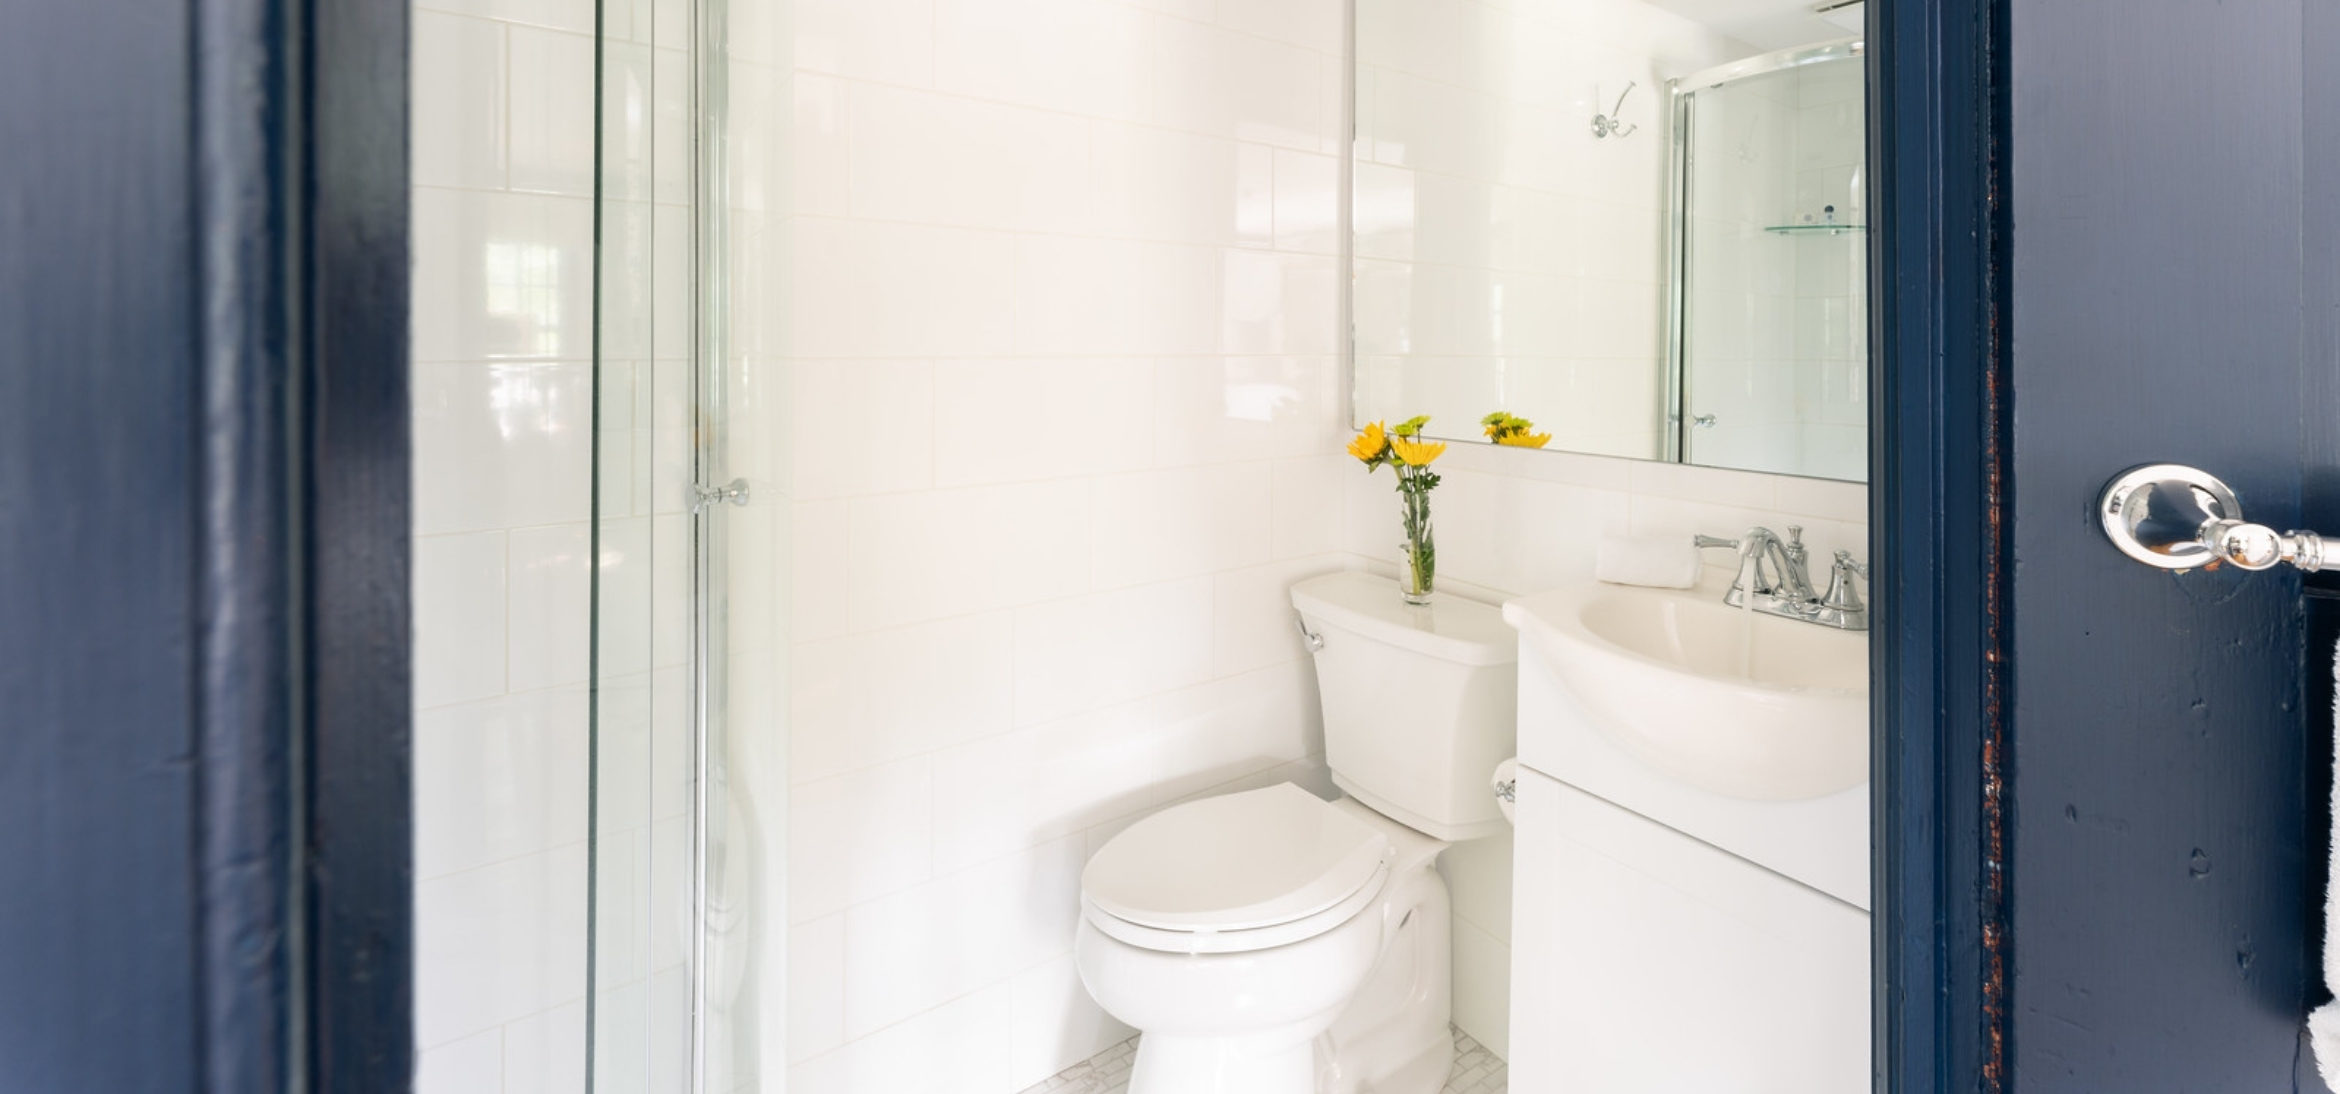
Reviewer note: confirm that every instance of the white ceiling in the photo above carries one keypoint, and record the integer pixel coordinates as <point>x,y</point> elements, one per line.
<point>1767,24</point>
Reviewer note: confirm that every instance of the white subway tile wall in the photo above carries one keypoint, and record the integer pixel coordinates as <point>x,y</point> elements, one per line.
<point>1067,394</point>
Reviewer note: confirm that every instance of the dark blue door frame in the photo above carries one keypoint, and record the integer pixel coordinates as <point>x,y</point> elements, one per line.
<point>1937,499</point>
<point>204,815</point>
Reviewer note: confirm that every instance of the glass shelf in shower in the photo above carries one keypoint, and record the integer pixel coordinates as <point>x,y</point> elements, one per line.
<point>1815,229</point>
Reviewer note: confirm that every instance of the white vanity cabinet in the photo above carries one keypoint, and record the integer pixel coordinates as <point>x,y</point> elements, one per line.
<point>1652,962</point>
<point>1671,930</point>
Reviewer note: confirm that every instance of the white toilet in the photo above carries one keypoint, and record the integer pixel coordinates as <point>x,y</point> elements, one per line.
<point>1270,942</point>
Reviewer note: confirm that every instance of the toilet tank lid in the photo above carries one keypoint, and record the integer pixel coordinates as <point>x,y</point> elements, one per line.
<point>1234,862</point>
<point>1449,628</point>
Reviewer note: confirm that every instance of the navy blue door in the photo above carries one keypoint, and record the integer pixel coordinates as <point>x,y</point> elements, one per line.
<point>203,606</point>
<point>2110,236</point>
<point>2172,187</point>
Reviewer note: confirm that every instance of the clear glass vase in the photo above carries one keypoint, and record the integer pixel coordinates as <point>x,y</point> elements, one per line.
<point>1418,555</point>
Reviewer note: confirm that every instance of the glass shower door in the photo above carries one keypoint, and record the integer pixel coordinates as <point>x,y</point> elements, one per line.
<point>688,960</point>
<point>640,1009</point>
<point>1770,324</point>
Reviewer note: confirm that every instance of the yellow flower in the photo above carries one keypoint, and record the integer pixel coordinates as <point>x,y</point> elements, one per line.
<point>1369,444</point>
<point>1416,453</point>
<point>1513,430</point>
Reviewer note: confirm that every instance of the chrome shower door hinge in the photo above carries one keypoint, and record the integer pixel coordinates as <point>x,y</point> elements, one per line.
<point>703,496</point>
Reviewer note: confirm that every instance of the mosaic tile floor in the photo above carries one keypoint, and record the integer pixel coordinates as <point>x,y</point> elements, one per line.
<point>1476,1071</point>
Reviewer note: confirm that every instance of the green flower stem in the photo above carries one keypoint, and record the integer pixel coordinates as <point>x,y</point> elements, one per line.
<point>1414,486</point>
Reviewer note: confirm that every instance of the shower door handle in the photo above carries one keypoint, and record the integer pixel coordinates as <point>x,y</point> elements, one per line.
<point>706,497</point>
<point>2173,517</point>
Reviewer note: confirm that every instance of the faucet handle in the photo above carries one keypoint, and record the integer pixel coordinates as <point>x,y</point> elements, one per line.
<point>1714,541</point>
<point>1795,535</point>
<point>1841,593</point>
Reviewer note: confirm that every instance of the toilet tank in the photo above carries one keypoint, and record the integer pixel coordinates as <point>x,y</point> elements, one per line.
<point>1420,702</point>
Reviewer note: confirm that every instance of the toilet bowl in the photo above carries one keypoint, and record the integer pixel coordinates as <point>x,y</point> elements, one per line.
<point>1273,942</point>
<point>1241,933</point>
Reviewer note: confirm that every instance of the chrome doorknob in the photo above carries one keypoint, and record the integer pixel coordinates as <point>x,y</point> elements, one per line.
<point>2174,517</point>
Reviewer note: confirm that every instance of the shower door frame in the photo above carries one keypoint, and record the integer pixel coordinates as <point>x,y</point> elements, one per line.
<point>1681,160</point>
<point>707,296</point>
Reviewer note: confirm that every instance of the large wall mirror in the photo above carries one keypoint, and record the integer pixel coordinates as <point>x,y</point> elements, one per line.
<point>1640,224</point>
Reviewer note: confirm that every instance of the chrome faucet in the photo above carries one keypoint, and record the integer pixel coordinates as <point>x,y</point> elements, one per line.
<point>1775,574</point>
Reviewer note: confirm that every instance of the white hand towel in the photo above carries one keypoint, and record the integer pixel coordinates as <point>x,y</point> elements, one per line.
<point>2324,1024</point>
<point>1664,562</point>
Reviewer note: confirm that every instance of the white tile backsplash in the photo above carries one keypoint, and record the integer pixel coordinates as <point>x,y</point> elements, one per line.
<point>1161,184</point>
<point>886,695</point>
<point>961,1047</point>
<point>860,835</point>
<point>1081,653</point>
<point>920,556</point>
<point>918,948</point>
<point>502,445</point>
<point>502,275</point>
<point>883,41</point>
<point>552,125</point>
<point>472,1064</point>
<point>551,603</point>
<point>816,987</point>
<point>1157,525</point>
<point>875,289</point>
<point>545,1052</point>
<point>1003,420</point>
<point>459,618</point>
<point>1010,168</point>
<point>498,943</point>
<point>840,455</point>
<point>458,119</point>
<point>1092,296</point>
<point>498,778</point>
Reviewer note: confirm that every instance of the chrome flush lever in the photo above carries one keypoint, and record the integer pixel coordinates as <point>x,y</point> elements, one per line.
<point>1313,640</point>
<point>2173,517</point>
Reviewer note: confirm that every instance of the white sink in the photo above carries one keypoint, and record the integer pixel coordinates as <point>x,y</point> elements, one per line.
<point>1671,677</point>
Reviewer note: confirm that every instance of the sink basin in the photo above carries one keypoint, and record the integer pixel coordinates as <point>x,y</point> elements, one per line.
<point>1746,706</point>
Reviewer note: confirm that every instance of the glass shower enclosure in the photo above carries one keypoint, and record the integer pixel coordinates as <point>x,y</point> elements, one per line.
<point>675,925</point>
<point>1767,325</point>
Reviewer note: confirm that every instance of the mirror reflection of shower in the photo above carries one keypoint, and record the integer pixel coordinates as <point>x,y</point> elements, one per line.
<point>1768,253</point>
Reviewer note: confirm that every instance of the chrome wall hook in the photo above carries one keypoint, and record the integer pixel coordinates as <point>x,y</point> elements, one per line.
<point>1610,124</point>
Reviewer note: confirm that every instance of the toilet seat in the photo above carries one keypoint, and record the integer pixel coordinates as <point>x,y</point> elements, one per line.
<point>1236,873</point>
